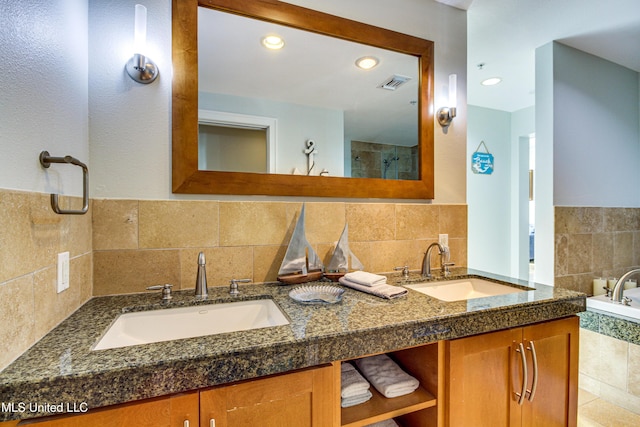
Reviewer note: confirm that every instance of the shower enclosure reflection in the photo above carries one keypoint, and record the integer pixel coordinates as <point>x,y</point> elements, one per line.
<point>370,160</point>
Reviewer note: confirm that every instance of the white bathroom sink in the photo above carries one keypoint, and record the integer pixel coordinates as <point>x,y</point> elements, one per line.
<point>463,289</point>
<point>144,327</point>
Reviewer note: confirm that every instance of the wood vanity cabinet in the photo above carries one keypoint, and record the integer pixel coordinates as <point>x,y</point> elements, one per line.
<point>301,399</point>
<point>473,381</point>
<point>485,376</point>
<point>170,411</point>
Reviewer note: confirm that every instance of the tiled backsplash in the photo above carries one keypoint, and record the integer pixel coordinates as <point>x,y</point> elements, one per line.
<point>31,236</point>
<point>141,243</point>
<point>123,246</point>
<point>594,242</point>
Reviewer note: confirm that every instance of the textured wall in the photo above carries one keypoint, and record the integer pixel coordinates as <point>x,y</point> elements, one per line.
<point>32,236</point>
<point>142,243</point>
<point>594,242</point>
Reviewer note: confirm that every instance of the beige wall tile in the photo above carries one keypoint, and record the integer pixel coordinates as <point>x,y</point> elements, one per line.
<point>621,219</point>
<point>579,250</point>
<point>178,224</point>
<point>589,353</point>
<point>30,233</point>
<point>387,255</point>
<point>222,264</point>
<point>52,307</point>
<point>622,250</point>
<point>633,383</point>
<point>114,224</point>
<point>561,254</point>
<point>602,252</point>
<point>371,222</point>
<point>613,362</point>
<point>578,220</point>
<point>266,262</point>
<point>122,272</point>
<point>417,221</point>
<point>324,222</point>
<point>453,221</point>
<point>458,252</point>
<point>16,318</point>
<point>257,223</point>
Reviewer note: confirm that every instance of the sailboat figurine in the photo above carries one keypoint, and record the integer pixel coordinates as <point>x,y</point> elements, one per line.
<point>301,263</point>
<point>339,264</point>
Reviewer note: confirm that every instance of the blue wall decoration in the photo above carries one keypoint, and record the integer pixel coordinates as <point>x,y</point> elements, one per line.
<point>482,162</point>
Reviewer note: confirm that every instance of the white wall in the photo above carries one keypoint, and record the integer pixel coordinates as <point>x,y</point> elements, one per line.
<point>488,196</point>
<point>296,124</point>
<point>587,139</point>
<point>523,124</point>
<point>130,123</point>
<point>43,93</point>
<point>596,143</point>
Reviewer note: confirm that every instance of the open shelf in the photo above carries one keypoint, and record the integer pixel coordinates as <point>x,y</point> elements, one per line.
<point>380,408</point>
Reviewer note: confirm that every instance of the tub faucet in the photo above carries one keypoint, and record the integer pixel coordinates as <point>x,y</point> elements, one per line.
<point>618,289</point>
<point>426,261</point>
<point>202,292</point>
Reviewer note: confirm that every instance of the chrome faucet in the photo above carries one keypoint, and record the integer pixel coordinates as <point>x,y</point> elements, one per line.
<point>202,292</point>
<point>618,289</point>
<point>426,261</point>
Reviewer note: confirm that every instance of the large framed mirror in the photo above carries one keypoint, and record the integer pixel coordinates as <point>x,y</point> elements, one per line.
<point>365,140</point>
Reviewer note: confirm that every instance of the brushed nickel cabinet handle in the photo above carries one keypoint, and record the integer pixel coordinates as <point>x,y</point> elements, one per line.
<point>534,383</point>
<point>212,422</point>
<point>525,375</point>
<point>186,423</point>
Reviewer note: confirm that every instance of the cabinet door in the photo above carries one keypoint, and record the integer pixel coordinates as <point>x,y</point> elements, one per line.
<point>482,374</point>
<point>170,411</point>
<point>554,402</point>
<point>301,399</point>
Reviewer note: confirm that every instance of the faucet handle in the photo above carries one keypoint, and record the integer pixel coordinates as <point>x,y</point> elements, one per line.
<point>405,270</point>
<point>446,266</point>
<point>233,287</point>
<point>166,290</point>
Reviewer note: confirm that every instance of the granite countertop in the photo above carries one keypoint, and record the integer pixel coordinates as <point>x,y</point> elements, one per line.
<point>61,367</point>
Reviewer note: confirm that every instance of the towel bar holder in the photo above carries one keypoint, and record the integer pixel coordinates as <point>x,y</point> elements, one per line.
<point>46,160</point>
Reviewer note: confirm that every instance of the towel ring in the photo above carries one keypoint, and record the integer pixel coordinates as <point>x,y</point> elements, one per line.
<point>46,160</point>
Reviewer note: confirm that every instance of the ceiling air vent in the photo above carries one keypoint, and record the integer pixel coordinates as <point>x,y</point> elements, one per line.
<point>394,82</point>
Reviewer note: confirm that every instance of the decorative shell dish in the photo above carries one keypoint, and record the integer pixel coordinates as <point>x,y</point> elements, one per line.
<point>317,294</point>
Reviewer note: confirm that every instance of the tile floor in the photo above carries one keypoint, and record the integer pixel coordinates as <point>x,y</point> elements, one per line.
<point>595,412</point>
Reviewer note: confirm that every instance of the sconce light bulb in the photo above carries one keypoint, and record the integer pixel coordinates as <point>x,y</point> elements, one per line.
<point>141,68</point>
<point>140,30</point>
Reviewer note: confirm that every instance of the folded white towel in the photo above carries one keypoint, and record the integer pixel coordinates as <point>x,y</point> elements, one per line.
<point>382,291</point>
<point>351,382</point>
<point>386,376</point>
<point>386,423</point>
<point>356,400</point>
<point>366,279</point>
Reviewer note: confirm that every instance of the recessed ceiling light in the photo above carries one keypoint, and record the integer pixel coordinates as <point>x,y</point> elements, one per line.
<point>273,42</point>
<point>367,62</point>
<point>491,81</point>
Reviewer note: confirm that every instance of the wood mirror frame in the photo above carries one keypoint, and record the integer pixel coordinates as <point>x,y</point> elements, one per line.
<point>188,179</point>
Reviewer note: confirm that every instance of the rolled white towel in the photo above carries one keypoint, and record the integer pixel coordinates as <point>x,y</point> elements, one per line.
<point>351,382</point>
<point>386,423</point>
<point>382,290</point>
<point>366,279</point>
<point>386,376</point>
<point>356,400</point>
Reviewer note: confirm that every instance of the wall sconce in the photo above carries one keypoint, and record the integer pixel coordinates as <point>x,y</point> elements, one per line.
<point>446,114</point>
<point>139,67</point>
